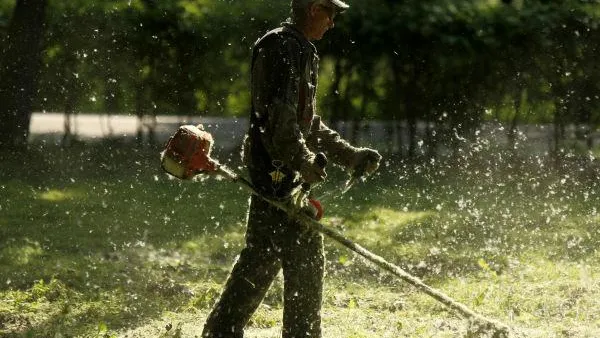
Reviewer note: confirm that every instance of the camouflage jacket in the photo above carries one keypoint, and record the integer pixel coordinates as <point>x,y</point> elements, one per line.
<point>285,130</point>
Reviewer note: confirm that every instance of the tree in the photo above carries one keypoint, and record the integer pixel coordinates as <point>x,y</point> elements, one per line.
<point>19,69</point>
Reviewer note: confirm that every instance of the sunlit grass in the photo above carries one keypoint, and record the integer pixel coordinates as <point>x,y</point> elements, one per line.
<point>56,195</point>
<point>21,254</point>
<point>381,226</point>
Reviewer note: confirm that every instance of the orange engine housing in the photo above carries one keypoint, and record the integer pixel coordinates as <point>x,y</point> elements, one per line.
<point>187,153</point>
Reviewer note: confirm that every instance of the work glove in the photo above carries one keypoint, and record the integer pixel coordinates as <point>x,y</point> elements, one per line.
<point>313,170</point>
<point>365,162</point>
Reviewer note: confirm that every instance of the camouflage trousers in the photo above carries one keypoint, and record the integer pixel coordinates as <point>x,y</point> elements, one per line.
<point>273,241</point>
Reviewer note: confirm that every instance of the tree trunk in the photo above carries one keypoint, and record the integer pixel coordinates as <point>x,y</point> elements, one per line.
<point>356,121</point>
<point>336,105</point>
<point>512,130</point>
<point>559,130</point>
<point>140,112</point>
<point>71,92</point>
<point>389,128</point>
<point>431,140</point>
<point>399,138</point>
<point>398,91</point>
<point>20,59</point>
<point>412,135</point>
<point>70,104</point>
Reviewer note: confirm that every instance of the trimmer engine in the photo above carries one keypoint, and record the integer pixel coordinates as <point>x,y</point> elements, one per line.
<point>187,153</point>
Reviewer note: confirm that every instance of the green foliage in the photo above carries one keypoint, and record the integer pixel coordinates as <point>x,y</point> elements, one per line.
<point>146,57</point>
<point>452,64</point>
<point>434,60</point>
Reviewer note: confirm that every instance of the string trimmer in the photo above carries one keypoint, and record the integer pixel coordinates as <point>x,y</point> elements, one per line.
<point>187,154</point>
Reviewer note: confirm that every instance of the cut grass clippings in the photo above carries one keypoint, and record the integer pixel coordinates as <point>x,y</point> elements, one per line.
<point>95,240</point>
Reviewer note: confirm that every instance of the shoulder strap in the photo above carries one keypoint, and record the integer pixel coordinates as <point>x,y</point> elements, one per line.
<point>274,34</point>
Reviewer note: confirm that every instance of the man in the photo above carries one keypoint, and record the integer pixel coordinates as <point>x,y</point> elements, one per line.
<point>280,151</point>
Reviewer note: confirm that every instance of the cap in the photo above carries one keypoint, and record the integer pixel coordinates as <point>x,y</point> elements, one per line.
<point>338,5</point>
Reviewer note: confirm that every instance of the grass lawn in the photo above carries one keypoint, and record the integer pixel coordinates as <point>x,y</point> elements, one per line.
<point>96,241</point>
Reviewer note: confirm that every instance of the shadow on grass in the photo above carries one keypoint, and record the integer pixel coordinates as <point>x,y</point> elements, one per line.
<point>108,228</point>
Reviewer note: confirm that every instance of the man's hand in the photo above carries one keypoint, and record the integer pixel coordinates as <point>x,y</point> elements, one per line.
<point>365,162</point>
<point>313,171</point>
<point>314,209</point>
